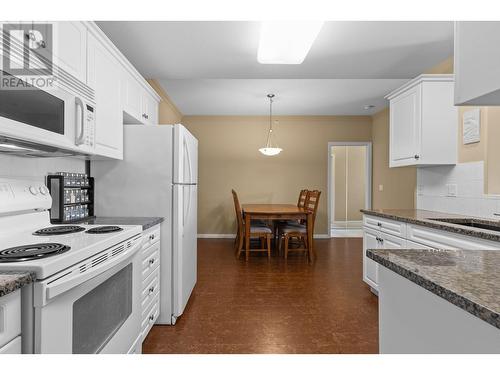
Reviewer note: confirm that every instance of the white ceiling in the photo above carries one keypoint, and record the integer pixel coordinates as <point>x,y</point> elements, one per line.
<point>293,96</point>
<point>207,67</point>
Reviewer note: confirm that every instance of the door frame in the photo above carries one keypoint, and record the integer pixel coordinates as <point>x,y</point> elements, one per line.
<point>368,177</point>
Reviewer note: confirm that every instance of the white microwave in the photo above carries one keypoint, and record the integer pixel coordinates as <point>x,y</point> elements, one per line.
<point>61,118</point>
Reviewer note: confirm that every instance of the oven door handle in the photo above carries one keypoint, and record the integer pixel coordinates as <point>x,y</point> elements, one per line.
<point>60,284</point>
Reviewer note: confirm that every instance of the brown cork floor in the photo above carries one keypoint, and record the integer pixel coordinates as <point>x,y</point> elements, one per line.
<point>276,306</point>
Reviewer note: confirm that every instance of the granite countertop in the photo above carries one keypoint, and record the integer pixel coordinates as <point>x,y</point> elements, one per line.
<point>146,222</point>
<point>11,281</point>
<point>468,279</point>
<point>424,217</point>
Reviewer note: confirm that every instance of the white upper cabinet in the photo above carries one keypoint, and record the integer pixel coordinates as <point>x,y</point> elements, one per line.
<point>477,63</point>
<point>70,50</point>
<point>149,109</point>
<point>139,106</point>
<point>131,99</point>
<point>104,77</point>
<point>423,122</point>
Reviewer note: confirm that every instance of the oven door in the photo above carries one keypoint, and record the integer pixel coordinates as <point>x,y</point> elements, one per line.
<point>91,309</point>
<point>55,117</point>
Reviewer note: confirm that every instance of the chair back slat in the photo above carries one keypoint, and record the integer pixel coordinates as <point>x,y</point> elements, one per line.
<point>239,214</point>
<point>302,198</point>
<point>312,202</point>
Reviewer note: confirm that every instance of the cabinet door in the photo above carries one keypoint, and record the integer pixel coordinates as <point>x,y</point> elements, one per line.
<point>104,78</point>
<point>477,63</point>
<point>71,48</point>
<point>391,242</point>
<point>370,268</point>
<point>132,99</point>
<point>405,125</point>
<point>149,109</point>
<point>417,246</point>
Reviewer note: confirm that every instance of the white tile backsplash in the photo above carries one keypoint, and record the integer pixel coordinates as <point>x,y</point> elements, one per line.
<point>470,200</point>
<point>38,168</point>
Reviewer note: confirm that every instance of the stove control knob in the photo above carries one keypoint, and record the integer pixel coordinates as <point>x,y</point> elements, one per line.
<point>43,190</point>
<point>33,190</point>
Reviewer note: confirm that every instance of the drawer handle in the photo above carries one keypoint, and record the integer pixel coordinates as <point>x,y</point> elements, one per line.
<point>417,157</point>
<point>379,224</point>
<point>151,261</point>
<point>151,290</point>
<point>152,237</point>
<point>151,317</point>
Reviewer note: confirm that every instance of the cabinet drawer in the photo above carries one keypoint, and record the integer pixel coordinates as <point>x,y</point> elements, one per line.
<point>440,239</point>
<point>10,316</point>
<point>150,288</point>
<point>150,260</point>
<point>151,236</point>
<point>13,347</point>
<point>396,228</point>
<point>149,319</point>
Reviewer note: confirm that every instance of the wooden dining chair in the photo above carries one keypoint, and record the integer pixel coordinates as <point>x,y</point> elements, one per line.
<point>299,231</point>
<point>257,230</point>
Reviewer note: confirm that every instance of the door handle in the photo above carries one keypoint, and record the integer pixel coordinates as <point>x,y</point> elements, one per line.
<point>79,138</point>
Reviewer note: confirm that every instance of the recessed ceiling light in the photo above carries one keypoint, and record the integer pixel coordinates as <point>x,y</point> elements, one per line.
<point>369,106</point>
<point>286,42</point>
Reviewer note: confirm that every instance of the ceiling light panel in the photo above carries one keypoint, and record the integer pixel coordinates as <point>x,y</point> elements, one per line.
<point>286,42</point>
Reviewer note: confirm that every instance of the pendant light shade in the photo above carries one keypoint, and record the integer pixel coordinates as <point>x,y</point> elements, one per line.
<point>271,147</point>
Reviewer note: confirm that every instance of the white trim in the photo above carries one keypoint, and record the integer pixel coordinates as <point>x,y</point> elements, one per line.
<point>336,233</point>
<point>215,235</point>
<point>232,236</point>
<point>368,161</point>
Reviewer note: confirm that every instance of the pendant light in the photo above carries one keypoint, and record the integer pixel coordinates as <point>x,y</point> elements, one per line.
<point>271,147</point>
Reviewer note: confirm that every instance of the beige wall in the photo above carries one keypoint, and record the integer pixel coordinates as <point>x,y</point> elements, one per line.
<point>348,179</point>
<point>229,158</point>
<point>399,184</point>
<point>167,111</point>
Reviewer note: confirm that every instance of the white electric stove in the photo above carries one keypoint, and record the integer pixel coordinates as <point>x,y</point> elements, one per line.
<point>86,295</point>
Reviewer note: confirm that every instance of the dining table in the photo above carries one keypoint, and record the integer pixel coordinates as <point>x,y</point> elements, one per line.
<point>273,211</point>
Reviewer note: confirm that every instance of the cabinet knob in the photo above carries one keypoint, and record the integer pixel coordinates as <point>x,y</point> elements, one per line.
<point>151,317</point>
<point>151,290</point>
<point>152,237</point>
<point>379,224</point>
<point>151,261</point>
<point>417,157</point>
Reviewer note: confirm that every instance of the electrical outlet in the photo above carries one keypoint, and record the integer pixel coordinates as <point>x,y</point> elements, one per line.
<point>452,190</point>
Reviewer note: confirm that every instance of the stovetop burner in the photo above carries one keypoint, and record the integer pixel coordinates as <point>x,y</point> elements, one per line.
<point>104,229</point>
<point>58,230</point>
<point>32,252</point>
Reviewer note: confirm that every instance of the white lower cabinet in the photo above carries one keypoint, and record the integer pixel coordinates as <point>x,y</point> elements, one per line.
<point>150,297</point>
<point>10,323</point>
<point>378,233</point>
<point>377,239</point>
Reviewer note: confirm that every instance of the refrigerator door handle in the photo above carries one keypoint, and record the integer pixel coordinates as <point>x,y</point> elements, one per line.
<point>188,160</point>
<point>186,211</point>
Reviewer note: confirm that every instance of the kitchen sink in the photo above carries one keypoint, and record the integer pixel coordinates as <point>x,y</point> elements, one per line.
<point>473,223</point>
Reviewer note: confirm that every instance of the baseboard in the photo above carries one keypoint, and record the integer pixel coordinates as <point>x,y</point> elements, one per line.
<point>215,235</point>
<point>347,233</point>
<point>230,236</point>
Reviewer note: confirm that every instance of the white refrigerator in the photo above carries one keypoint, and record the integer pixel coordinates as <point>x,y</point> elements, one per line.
<point>158,176</point>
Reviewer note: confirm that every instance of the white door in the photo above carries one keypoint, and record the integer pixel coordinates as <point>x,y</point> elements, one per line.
<point>104,78</point>
<point>184,244</point>
<point>405,122</point>
<point>370,267</point>
<point>185,156</point>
